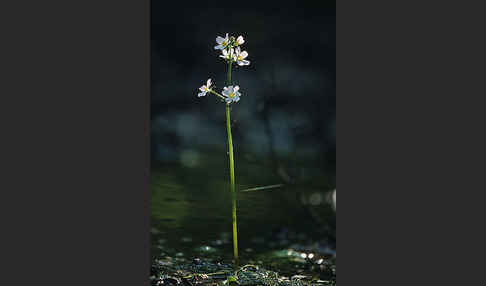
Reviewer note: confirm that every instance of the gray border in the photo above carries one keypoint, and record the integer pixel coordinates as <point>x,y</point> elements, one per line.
<point>409,174</point>
<point>75,142</point>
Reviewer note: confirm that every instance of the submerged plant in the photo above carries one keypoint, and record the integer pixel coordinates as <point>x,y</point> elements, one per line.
<point>231,53</point>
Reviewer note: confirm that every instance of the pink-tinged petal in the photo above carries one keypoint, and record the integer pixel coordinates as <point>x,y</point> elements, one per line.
<point>202,88</point>
<point>240,40</point>
<point>236,88</point>
<point>244,54</point>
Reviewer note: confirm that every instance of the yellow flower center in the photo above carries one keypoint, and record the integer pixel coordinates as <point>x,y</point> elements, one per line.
<point>224,43</point>
<point>240,58</point>
<point>231,95</point>
<point>206,88</point>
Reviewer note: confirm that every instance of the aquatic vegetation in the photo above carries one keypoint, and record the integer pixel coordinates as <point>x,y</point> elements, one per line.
<point>231,52</point>
<point>183,272</point>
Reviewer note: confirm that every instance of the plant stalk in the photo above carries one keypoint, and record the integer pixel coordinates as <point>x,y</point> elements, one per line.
<point>232,174</point>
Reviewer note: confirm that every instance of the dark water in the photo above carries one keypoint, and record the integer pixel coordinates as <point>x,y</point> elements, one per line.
<point>285,229</point>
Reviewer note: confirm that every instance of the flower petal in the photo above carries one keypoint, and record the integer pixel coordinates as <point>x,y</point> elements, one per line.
<point>219,40</point>
<point>240,40</point>
<point>244,54</point>
<point>202,88</point>
<point>208,83</point>
<point>236,88</point>
<point>201,94</point>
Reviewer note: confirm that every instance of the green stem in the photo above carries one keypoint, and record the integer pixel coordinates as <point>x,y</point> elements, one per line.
<point>229,71</point>
<point>232,174</point>
<point>214,92</point>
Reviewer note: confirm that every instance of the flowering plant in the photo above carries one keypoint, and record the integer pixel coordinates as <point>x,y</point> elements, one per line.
<point>231,52</point>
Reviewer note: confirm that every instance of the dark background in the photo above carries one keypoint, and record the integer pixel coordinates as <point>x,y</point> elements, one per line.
<point>284,126</point>
<point>288,105</point>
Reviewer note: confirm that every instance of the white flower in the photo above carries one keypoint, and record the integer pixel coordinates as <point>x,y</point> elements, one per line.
<point>231,93</point>
<point>239,41</point>
<point>222,42</point>
<point>204,89</point>
<point>240,57</point>
<point>227,55</point>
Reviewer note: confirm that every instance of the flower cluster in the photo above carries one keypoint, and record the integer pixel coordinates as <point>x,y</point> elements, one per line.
<point>231,52</point>
<point>230,47</point>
